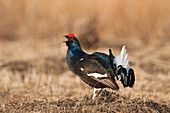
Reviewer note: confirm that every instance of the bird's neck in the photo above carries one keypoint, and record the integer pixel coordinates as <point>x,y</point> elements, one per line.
<point>75,51</point>
<point>73,55</point>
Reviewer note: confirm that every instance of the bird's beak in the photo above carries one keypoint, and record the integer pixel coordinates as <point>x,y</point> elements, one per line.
<point>66,36</point>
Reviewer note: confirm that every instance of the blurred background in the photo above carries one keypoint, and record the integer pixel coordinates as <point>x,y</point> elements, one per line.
<point>32,52</point>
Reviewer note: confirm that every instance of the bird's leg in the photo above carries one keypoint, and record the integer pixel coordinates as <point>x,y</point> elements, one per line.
<point>96,92</point>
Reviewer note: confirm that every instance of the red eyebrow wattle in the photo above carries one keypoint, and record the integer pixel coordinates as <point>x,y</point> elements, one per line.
<point>71,35</point>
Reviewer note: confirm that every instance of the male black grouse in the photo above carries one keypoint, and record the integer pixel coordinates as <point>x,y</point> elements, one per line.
<point>98,69</point>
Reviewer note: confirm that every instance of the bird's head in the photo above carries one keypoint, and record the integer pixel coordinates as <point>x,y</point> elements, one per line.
<point>72,40</point>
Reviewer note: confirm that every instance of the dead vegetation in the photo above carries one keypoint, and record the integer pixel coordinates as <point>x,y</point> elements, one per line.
<point>106,102</point>
<point>34,76</point>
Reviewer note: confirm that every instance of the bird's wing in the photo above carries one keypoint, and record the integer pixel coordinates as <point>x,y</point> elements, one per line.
<point>91,71</point>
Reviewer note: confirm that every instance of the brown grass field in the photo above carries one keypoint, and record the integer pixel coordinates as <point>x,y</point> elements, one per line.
<point>34,76</point>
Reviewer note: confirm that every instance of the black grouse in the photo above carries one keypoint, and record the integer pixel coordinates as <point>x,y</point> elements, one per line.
<point>99,70</point>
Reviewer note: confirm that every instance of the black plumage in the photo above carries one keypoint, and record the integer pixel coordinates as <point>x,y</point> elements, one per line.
<point>98,70</point>
<point>92,64</point>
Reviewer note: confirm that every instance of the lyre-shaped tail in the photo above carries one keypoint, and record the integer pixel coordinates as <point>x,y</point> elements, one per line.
<point>120,65</point>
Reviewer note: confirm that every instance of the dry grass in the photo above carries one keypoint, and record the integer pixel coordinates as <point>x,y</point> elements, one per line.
<point>34,76</point>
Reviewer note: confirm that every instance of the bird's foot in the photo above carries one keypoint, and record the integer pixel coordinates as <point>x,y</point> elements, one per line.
<point>96,92</point>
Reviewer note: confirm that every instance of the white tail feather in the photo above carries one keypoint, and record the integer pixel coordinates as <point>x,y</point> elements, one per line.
<point>127,64</point>
<point>125,59</point>
<point>122,58</point>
